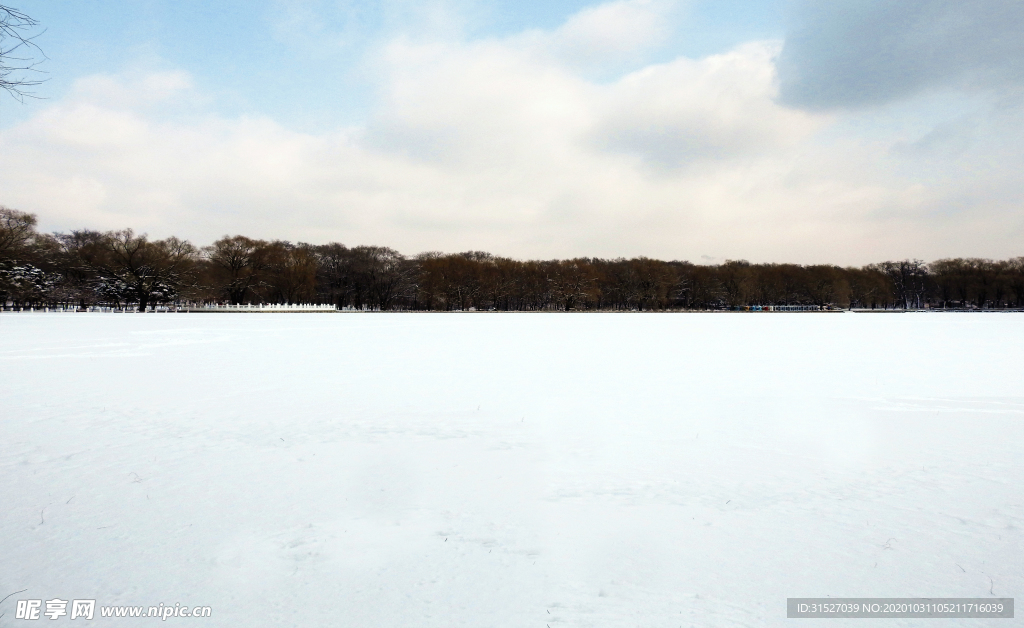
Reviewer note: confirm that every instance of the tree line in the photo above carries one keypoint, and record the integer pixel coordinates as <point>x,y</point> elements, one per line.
<point>126,269</point>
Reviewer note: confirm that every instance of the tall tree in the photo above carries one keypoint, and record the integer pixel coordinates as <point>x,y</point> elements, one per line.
<point>333,274</point>
<point>1015,279</point>
<point>239,265</point>
<point>572,283</point>
<point>136,270</point>
<point>385,273</point>
<point>908,281</point>
<point>17,229</point>
<point>292,272</point>
<point>20,281</point>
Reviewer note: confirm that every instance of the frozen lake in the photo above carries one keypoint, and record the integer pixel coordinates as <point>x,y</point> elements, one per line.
<point>432,470</point>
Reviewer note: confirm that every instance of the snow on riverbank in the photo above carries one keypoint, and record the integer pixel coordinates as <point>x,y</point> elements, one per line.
<point>509,470</point>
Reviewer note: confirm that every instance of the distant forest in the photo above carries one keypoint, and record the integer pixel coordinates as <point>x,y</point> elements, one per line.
<point>125,269</point>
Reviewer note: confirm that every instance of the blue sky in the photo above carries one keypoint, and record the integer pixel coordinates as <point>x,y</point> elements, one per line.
<point>303,61</point>
<point>772,130</point>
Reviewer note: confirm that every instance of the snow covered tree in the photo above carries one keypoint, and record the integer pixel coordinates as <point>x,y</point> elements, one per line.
<point>572,283</point>
<point>908,281</point>
<point>132,268</point>
<point>25,283</point>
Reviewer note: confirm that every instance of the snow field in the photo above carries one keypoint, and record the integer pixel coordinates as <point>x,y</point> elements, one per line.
<point>510,470</point>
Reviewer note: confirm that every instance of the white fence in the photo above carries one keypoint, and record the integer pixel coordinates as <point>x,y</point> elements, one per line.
<point>262,307</point>
<point>783,308</point>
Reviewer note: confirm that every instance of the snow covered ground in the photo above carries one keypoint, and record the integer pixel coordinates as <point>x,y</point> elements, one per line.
<point>422,470</point>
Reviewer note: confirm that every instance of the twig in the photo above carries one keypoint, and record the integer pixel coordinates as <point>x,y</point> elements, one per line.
<point>41,519</point>
<point>13,23</point>
<point>961,568</point>
<point>15,593</point>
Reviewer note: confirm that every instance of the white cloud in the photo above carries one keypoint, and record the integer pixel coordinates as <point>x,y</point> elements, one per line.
<point>614,29</point>
<point>134,90</point>
<point>686,110</point>
<point>505,145</point>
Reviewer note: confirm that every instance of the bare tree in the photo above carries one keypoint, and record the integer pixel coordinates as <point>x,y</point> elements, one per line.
<point>1015,279</point>
<point>501,278</point>
<point>135,269</point>
<point>907,278</point>
<point>77,258</point>
<point>572,283</point>
<point>291,273</point>
<point>869,287</point>
<point>825,285</point>
<point>698,287</point>
<point>385,272</point>
<point>333,273</point>
<point>239,265</point>
<point>19,54</point>
<point>16,231</point>
<point>18,281</point>
<point>736,279</point>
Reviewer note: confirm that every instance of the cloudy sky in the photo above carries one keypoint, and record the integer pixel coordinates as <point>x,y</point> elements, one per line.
<point>846,131</point>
